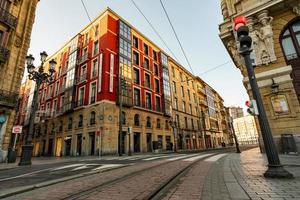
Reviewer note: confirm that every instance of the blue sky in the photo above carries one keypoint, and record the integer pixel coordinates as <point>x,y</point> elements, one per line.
<point>195,21</point>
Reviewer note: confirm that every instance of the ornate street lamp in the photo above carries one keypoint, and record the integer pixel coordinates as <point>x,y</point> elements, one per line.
<point>39,76</point>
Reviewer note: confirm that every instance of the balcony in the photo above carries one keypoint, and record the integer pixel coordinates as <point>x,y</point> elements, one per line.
<point>8,98</point>
<point>4,54</point>
<point>201,90</point>
<point>83,58</point>
<point>7,18</point>
<point>81,78</point>
<point>203,102</point>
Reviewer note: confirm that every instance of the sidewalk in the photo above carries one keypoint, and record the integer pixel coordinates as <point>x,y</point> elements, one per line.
<point>243,176</point>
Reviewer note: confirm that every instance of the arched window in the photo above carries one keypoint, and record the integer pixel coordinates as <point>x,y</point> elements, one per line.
<point>167,124</point>
<point>137,120</point>
<point>290,41</point>
<point>148,122</point>
<point>80,121</point>
<point>93,118</point>
<point>123,118</point>
<point>157,123</point>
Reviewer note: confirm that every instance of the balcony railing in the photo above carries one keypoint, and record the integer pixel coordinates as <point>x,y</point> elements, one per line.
<point>83,58</point>
<point>4,54</point>
<point>203,102</point>
<point>8,98</point>
<point>8,18</point>
<point>80,78</point>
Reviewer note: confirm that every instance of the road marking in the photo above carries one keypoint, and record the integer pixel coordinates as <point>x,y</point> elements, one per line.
<point>158,157</point>
<point>215,158</point>
<point>80,168</point>
<point>197,157</point>
<point>67,166</point>
<point>107,166</point>
<point>181,157</point>
<point>27,174</point>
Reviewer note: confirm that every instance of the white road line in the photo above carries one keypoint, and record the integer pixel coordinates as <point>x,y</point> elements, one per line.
<point>215,158</point>
<point>80,168</point>
<point>181,157</point>
<point>158,157</point>
<point>197,157</point>
<point>27,174</point>
<point>107,166</point>
<point>67,166</point>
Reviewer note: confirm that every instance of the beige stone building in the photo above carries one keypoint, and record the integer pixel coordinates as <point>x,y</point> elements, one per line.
<point>236,112</point>
<point>274,27</point>
<point>16,20</point>
<point>245,130</point>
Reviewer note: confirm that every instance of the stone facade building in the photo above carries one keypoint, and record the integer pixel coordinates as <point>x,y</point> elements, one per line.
<point>236,112</point>
<point>16,20</point>
<point>275,29</point>
<point>79,112</point>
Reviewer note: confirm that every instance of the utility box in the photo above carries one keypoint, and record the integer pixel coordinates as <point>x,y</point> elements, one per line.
<point>288,143</point>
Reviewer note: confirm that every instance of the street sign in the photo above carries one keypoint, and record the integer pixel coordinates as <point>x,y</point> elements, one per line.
<point>17,129</point>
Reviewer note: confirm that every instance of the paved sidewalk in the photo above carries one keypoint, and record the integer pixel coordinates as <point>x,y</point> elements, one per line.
<point>243,175</point>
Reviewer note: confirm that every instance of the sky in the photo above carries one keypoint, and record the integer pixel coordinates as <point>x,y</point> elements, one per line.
<point>195,22</point>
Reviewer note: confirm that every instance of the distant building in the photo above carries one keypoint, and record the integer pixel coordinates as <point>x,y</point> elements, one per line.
<point>236,112</point>
<point>245,130</point>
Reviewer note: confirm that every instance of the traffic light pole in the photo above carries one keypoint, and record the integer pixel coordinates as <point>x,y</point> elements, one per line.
<point>275,169</point>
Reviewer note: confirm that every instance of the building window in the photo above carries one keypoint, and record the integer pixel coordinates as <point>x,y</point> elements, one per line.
<point>191,111</point>
<point>157,123</point>
<point>182,91</point>
<point>177,120</point>
<point>123,118</point>
<point>137,120</point>
<point>192,122</point>
<point>154,55</point>
<point>147,81</point>
<point>136,78</point>
<point>136,60</point>
<point>175,103</point>
<point>93,118</point>
<point>290,41</point>
<point>135,42</point>
<point>174,87</point>
<point>61,126</point>
<point>124,30</point>
<point>94,68</point>
<point>148,101</point>
<point>166,124</point>
<point>156,85</point>
<point>189,94</point>
<point>146,49</point>
<point>157,104</point>
<point>137,97</point>
<point>148,122</point>
<point>93,93</point>
<point>80,121</point>
<point>70,122</point>
<point>185,122</point>
<point>173,71</point>
<point>195,99</point>
<point>96,48</point>
<point>183,106</point>
<point>146,63</point>
<point>155,69</point>
<point>125,48</point>
<point>81,97</point>
<point>181,78</point>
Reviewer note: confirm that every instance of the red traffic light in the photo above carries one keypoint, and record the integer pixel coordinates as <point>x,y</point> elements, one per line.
<point>239,21</point>
<point>248,104</point>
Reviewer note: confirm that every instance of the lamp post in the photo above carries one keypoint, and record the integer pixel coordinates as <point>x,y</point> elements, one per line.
<point>39,76</point>
<point>234,136</point>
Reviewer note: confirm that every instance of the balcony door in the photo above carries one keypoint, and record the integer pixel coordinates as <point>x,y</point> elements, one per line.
<point>290,42</point>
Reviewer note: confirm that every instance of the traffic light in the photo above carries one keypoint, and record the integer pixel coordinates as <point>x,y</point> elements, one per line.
<point>242,33</point>
<point>252,107</point>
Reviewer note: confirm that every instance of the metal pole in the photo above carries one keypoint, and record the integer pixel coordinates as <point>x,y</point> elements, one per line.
<point>275,169</point>
<point>234,136</point>
<point>28,147</point>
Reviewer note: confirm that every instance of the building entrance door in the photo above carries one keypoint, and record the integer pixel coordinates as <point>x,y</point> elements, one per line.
<point>43,147</point>
<point>92,143</point>
<point>50,147</point>
<point>123,142</point>
<point>68,142</point>
<point>137,142</point>
<point>79,145</point>
<point>149,142</point>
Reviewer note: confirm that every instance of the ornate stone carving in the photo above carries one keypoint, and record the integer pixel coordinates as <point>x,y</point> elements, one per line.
<point>18,41</point>
<point>231,45</point>
<point>296,9</point>
<point>266,36</point>
<point>257,45</point>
